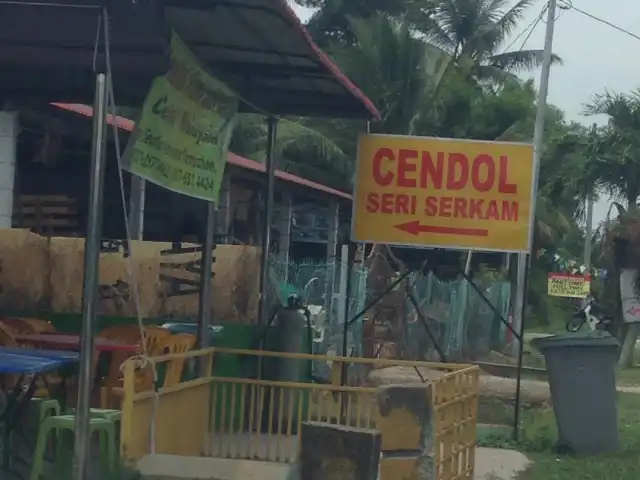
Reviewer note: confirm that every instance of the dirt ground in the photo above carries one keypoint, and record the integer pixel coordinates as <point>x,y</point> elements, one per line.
<point>532,391</point>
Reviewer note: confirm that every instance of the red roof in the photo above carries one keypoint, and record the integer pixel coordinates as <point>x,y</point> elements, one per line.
<point>128,125</point>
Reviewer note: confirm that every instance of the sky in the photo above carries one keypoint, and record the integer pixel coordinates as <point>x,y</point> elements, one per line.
<point>596,57</point>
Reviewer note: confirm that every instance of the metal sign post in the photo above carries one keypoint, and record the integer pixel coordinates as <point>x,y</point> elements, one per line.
<point>90,281</point>
<point>587,242</point>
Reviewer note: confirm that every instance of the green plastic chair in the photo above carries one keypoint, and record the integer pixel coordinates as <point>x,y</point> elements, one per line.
<point>111,415</point>
<point>46,407</point>
<point>66,423</point>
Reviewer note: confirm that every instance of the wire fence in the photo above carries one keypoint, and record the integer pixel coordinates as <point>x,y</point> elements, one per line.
<point>319,286</point>
<point>465,324</point>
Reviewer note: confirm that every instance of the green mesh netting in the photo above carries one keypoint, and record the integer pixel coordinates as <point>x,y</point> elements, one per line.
<point>467,328</point>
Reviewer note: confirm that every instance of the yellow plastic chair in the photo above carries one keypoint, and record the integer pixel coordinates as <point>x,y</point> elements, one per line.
<point>153,336</point>
<point>17,326</point>
<point>173,369</point>
<point>38,324</point>
<point>179,343</point>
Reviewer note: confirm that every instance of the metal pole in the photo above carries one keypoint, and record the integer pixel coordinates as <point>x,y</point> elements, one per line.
<point>137,194</point>
<point>206,277</point>
<point>522,266</point>
<point>343,314</point>
<point>538,138</point>
<point>587,241</point>
<point>332,246</point>
<point>90,282</point>
<point>588,233</point>
<point>348,289</point>
<point>266,221</point>
<point>467,265</point>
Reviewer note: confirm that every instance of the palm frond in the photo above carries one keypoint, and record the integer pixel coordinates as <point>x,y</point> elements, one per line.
<point>421,16</point>
<point>396,69</point>
<point>294,135</point>
<point>512,17</point>
<point>519,60</point>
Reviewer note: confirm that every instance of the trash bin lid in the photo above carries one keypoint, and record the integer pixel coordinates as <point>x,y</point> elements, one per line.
<point>597,338</point>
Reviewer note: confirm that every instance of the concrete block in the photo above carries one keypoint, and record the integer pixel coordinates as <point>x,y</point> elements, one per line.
<point>406,424</point>
<point>334,452</point>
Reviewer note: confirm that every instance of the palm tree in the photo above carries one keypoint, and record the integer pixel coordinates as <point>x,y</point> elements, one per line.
<point>300,149</point>
<point>399,72</point>
<point>396,70</point>
<point>615,165</point>
<point>331,22</point>
<point>473,32</point>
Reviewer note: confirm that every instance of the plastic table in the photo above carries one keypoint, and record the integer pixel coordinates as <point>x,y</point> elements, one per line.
<point>68,362</point>
<point>103,347</point>
<point>18,397</point>
<point>63,356</point>
<point>13,363</point>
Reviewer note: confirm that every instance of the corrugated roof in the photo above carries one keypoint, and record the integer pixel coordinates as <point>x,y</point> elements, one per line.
<point>258,48</point>
<point>128,125</point>
<point>262,50</point>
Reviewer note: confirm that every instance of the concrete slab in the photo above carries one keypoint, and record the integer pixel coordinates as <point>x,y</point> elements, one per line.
<point>498,464</point>
<point>491,464</point>
<point>173,467</point>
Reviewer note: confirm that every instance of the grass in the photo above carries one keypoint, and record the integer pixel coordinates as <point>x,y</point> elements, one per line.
<point>539,435</point>
<point>630,376</point>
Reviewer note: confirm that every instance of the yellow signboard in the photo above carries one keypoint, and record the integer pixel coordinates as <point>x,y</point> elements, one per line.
<point>433,192</point>
<point>566,285</point>
<point>182,139</point>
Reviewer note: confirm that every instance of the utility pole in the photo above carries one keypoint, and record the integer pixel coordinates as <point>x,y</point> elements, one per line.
<point>586,261</point>
<point>587,240</point>
<point>538,138</point>
<point>523,261</point>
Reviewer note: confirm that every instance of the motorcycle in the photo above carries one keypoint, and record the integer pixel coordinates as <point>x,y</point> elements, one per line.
<point>591,314</point>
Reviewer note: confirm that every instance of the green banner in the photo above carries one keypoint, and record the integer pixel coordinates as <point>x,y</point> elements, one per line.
<point>182,139</point>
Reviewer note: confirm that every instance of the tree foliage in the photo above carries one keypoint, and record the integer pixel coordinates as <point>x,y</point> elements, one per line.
<point>331,22</point>
<point>615,159</point>
<point>443,68</point>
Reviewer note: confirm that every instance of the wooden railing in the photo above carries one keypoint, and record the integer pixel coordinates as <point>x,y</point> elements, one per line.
<point>259,419</point>
<point>172,419</point>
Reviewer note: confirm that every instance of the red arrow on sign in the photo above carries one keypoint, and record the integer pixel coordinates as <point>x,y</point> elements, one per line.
<point>415,228</point>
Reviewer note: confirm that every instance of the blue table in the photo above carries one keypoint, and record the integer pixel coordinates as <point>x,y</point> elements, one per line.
<point>68,361</point>
<point>23,366</point>
<point>63,356</point>
<point>18,364</point>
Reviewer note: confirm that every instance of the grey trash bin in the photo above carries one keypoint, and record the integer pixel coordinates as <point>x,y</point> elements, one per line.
<point>582,377</point>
